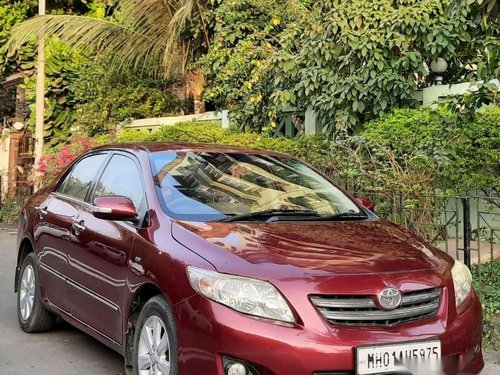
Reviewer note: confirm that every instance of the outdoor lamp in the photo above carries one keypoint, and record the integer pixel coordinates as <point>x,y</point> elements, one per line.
<point>439,65</point>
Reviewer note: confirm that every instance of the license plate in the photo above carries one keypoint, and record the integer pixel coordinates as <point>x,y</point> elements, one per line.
<point>383,359</point>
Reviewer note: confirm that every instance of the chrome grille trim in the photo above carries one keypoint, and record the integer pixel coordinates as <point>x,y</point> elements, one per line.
<point>419,298</point>
<point>347,303</point>
<point>380,314</point>
<point>362,310</point>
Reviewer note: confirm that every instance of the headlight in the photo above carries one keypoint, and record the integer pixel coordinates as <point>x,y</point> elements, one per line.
<point>249,296</point>
<point>462,281</point>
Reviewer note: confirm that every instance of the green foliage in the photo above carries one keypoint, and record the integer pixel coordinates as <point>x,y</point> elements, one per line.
<point>478,98</point>
<point>416,152</point>
<point>480,53</point>
<point>311,149</point>
<point>103,98</point>
<point>237,63</point>
<point>351,61</point>
<point>61,67</point>
<point>439,148</point>
<point>14,12</point>
<point>360,59</point>
<point>9,210</point>
<point>11,13</point>
<point>154,36</point>
<point>82,96</point>
<point>486,279</point>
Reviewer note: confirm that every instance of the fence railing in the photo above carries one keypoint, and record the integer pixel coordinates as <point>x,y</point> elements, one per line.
<point>466,226</point>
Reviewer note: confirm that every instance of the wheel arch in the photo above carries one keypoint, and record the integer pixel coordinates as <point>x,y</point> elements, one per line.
<point>26,247</point>
<point>144,293</point>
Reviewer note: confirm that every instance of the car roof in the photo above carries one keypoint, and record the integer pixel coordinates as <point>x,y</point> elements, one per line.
<point>151,147</point>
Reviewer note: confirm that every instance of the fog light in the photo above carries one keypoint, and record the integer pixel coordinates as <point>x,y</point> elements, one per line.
<point>236,369</point>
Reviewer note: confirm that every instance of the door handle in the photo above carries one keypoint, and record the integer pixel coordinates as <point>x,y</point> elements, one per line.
<point>78,227</point>
<point>42,211</point>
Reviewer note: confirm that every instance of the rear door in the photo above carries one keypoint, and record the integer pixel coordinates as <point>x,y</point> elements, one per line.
<point>99,257</point>
<point>53,229</point>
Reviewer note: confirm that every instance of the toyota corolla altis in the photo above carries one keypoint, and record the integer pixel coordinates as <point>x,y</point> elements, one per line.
<point>209,260</point>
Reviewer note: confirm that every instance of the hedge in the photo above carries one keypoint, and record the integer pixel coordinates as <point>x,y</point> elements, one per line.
<point>313,148</point>
<point>416,151</point>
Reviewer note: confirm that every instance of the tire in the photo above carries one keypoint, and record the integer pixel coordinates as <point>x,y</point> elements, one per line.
<point>155,318</point>
<point>31,314</point>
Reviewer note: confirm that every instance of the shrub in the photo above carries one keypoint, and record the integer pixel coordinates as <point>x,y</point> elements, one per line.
<point>489,287</point>
<point>418,152</point>
<point>9,210</point>
<point>312,149</point>
<point>351,61</point>
<point>425,150</point>
<point>101,98</point>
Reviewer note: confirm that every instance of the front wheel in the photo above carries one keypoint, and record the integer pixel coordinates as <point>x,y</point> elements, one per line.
<point>155,340</point>
<point>31,314</point>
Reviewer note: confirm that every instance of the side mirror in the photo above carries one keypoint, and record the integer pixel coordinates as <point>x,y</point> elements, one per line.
<point>365,202</point>
<point>115,208</point>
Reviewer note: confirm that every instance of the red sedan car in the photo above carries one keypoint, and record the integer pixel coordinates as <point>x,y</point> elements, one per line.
<point>191,259</point>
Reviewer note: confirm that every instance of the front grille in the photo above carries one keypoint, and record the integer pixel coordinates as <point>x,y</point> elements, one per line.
<point>363,311</point>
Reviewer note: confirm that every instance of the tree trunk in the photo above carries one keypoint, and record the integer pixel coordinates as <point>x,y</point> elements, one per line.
<point>195,83</point>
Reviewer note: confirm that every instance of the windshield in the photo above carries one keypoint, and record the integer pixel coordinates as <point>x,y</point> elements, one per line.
<point>207,186</point>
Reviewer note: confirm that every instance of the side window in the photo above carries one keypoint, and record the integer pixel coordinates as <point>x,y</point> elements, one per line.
<point>79,180</point>
<point>121,177</point>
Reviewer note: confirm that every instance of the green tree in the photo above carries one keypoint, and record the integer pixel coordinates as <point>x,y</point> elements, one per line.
<point>82,95</point>
<point>102,98</point>
<point>238,65</point>
<point>11,14</point>
<point>351,61</point>
<point>156,36</point>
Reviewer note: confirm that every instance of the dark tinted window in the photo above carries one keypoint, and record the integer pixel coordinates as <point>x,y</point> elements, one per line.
<point>121,177</point>
<point>78,182</point>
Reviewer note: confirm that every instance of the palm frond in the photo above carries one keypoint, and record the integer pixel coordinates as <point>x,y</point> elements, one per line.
<point>146,34</point>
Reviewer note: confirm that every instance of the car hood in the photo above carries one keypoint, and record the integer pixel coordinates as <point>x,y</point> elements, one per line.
<point>298,249</point>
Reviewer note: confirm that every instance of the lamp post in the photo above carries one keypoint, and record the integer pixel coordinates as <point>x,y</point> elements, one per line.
<point>40,90</point>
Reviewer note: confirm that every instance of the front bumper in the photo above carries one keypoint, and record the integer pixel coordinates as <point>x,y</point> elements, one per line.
<point>208,331</point>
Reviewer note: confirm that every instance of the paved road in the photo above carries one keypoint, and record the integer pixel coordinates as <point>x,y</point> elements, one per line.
<point>65,350</point>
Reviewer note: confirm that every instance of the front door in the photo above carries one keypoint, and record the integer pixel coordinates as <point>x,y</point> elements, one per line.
<point>51,235</point>
<point>98,258</point>
<point>54,227</point>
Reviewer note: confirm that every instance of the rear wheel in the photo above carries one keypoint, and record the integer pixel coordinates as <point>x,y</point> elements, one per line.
<point>31,314</point>
<point>155,341</point>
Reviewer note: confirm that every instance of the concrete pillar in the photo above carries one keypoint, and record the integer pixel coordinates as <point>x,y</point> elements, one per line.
<point>312,125</point>
<point>225,119</point>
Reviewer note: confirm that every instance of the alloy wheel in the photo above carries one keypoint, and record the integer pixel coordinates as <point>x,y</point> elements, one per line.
<point>154,348</point>
<point>27,292</point>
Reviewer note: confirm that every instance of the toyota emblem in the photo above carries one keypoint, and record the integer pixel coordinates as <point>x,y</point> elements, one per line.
<point>389,298</point>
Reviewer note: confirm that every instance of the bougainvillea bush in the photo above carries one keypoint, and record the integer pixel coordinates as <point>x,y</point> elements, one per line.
<point>58,158</point>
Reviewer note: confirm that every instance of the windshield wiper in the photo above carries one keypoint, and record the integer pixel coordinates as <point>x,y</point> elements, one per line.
<point>271,213</point>
<point>342,216</point>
